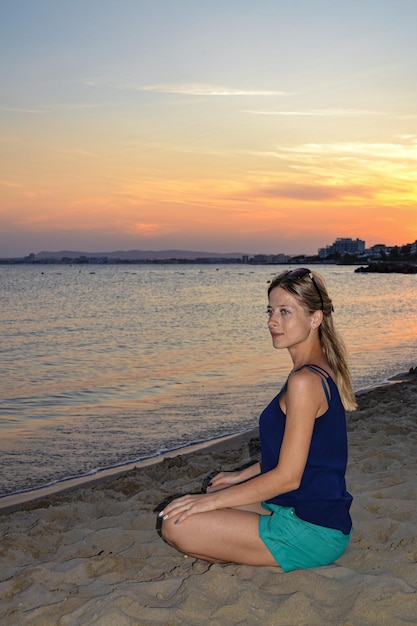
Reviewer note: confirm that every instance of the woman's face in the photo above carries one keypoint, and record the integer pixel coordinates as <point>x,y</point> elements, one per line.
<point>288,322</point>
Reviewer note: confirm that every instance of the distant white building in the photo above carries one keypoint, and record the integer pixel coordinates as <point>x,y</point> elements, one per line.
<point>270,258</point>
<point>343,246</point>
<point>378,250</point>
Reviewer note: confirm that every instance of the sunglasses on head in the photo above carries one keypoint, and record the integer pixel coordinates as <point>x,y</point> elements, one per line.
<point>300,272</point>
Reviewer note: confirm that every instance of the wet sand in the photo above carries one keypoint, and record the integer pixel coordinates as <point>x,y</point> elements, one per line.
<point>93,555</point>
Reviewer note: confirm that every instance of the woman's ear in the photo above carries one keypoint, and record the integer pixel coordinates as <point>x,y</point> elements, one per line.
<point>316,319</point>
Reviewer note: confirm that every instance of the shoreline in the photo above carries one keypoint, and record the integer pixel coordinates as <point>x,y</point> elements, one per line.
<point>14,501</point>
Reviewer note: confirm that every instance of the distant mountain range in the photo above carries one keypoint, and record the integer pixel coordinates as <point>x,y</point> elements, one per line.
<point>130,255</point>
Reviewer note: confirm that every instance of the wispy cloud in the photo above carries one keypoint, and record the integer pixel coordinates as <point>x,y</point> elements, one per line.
<point>412,138</point>
<point>374,151</point>
<point>312,193</point>
<point>21,110</point>
<point>64,106</point>
<point>318,113</point>
<point>342,172</point>
<point>10,183</point>
<point>80,106</point>
<point>399,154</point>
<point>148,229</point>
<point>202,89</point>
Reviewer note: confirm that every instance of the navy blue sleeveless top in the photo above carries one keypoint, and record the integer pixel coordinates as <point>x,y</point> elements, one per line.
<point>321,497</point>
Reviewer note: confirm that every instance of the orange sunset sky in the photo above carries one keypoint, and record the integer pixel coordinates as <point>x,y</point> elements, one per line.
<point>230,125</point>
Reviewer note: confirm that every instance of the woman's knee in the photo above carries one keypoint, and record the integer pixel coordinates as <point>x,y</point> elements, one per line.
<point>182,536</point>
<point>169,531</point>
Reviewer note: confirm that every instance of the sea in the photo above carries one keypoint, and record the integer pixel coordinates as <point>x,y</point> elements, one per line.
<point>105,366</point>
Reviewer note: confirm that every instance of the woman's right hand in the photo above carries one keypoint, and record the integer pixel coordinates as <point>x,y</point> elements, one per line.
<point>223,480</point>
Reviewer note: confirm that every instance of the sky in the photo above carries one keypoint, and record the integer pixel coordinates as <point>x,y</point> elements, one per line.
<point>273,126</point>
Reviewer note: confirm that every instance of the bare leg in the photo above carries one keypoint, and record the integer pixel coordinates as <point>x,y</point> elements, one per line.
<point>221,536</point>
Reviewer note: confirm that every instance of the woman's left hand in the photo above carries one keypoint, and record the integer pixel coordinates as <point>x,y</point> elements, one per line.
<point>179,509</point>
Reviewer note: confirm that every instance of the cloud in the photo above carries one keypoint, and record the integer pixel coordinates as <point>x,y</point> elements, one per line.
<point>318,113</point>
<point>202,89</point>
<point>10,183</point>
<point>398,156</point>
<point>148,230</point>
<point>412,138</point>
<point>65,106</point>
<point>81,106</point>
<point>374,151</point>
<point>312,193</point>
<point>20,110</point>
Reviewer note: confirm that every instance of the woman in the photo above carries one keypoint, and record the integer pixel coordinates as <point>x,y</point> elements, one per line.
<point>291,510</point>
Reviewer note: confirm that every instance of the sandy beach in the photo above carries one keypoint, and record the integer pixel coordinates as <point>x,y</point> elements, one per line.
<point>93,555</point>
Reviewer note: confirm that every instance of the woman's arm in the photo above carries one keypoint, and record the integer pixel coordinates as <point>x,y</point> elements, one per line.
<point>227,479</point>
<point>304,399</point>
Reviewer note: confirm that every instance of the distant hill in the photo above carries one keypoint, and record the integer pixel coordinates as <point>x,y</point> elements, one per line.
<point>130,255</point>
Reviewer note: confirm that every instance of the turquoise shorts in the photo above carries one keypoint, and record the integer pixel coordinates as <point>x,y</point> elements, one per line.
<point>296,544</point>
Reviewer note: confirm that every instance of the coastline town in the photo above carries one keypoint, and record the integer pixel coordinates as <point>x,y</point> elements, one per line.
<point>345,251</point>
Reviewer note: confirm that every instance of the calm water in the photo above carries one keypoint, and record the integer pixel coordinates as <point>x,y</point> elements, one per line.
<point>105,365</point>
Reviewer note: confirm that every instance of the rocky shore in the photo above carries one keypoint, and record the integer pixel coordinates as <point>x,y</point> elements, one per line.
<point>387,267</point>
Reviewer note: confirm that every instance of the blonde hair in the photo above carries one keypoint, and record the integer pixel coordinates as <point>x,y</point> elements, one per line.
<point>310,291</point>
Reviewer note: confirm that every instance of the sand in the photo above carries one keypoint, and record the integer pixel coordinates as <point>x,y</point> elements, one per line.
<point>93,555</point>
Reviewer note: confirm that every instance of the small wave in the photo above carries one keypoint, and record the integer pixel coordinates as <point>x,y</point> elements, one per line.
<point>61,484</point>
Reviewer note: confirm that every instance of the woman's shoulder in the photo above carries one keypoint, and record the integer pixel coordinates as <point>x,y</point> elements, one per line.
<point>304,379</point>
<point>311,371</point>
<point>301,379</point>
